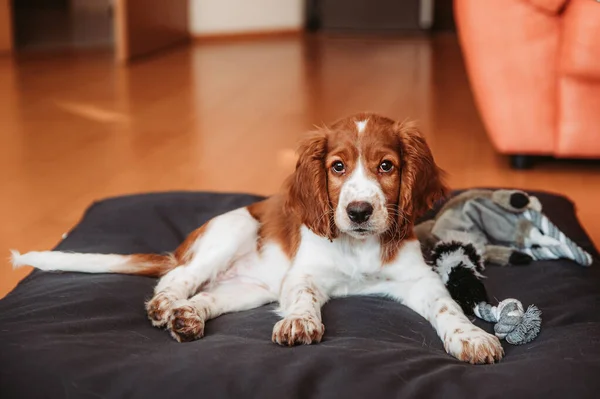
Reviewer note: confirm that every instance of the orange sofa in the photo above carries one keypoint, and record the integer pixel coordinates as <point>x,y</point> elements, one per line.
<point>534,67</point>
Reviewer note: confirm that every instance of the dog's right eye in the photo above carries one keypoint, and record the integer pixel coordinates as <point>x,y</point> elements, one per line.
<point>338,167</point>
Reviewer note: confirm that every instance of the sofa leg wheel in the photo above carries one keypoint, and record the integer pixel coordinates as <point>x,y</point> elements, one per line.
<point>521,162</point>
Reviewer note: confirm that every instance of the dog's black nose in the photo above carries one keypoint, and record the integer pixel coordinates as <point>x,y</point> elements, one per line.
<point>359,212</point>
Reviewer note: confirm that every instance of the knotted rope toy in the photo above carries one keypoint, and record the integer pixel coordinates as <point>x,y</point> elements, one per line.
<point>513,324</point>
<point>459,265</point>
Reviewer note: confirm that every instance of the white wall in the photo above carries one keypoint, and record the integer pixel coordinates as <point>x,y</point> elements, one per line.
<point>209,17</point>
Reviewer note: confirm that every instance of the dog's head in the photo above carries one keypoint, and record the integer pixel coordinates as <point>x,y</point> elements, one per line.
<point>364,175</point>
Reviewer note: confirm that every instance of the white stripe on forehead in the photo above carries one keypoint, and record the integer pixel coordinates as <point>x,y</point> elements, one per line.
<point>359,184</point>
<point>360,125</point>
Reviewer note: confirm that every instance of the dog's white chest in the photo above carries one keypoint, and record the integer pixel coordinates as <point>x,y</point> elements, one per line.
<point>357,258</point>
<point>341,265</point>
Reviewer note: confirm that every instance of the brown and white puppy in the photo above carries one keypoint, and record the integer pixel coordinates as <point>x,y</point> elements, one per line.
<point>343,225</point>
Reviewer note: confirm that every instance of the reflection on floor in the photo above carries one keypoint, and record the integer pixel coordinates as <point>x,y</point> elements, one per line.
<point>226,117</point>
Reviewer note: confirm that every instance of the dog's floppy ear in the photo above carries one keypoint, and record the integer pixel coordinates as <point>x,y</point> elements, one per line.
<point>307,194</point>
<point>422,181</point>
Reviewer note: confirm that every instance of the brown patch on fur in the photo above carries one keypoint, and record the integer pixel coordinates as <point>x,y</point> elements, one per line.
<point>391,243</point>
<point>156,265</point>
<point>458,331</point>
<point>151,265</point>
<point>276,225</point>
<point>183,253</point>
<point>307,196</point>
<point>443,309</point>
<point>422,180</point>
<point>258,209</point>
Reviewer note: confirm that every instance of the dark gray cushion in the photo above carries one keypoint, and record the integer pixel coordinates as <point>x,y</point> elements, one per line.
<point>86,336</point>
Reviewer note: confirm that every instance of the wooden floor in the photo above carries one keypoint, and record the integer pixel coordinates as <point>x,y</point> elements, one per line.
<point>226,116</point>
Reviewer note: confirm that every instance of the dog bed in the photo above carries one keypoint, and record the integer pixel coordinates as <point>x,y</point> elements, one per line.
<point>76,335</point>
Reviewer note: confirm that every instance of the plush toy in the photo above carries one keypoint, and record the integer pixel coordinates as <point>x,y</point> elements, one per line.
<point>507,225</point>
<point>459,264</point>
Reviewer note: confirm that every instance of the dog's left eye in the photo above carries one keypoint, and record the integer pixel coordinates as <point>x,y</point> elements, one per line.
<point>338,167</point>
<point>386,166</point>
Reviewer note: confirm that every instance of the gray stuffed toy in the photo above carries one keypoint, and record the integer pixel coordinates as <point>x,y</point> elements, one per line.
<point>506,226</point>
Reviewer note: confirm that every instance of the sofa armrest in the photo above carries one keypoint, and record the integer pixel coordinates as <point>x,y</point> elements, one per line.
<point>510,50</point>
<point>580,43</point>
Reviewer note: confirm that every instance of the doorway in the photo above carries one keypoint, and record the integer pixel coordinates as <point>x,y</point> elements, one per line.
<point>131,28</point>
<point>52,25</point>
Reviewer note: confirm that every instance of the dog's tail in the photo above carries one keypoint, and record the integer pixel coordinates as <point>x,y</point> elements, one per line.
<point>138,264</point>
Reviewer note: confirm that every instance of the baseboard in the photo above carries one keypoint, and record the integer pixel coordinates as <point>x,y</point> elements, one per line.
<point>245,36</point>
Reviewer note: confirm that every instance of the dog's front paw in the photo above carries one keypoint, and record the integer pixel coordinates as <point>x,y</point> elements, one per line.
<point>473,345</point>
<point>186,323</point>
<point>159,309</point>
<point>294,330</point>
